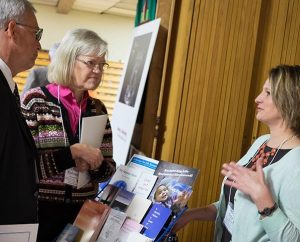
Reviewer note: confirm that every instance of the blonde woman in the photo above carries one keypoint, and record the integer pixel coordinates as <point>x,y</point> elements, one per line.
<point>260,195</point>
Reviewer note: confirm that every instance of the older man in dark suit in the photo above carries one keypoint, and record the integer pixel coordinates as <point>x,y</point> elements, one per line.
<point>19,45</point>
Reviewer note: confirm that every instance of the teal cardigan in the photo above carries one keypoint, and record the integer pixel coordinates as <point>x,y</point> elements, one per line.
<point>283,179</point>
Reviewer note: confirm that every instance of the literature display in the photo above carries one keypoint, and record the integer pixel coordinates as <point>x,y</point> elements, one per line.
<point>142,202</point>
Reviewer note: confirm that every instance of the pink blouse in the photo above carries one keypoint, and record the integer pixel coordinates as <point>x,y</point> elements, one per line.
<point>67,98</point>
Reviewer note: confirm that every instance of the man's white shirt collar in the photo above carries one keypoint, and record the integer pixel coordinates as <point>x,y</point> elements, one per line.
<point>7,73</point>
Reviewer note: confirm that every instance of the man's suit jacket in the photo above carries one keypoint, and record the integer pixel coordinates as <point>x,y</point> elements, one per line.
<point>18,196</point>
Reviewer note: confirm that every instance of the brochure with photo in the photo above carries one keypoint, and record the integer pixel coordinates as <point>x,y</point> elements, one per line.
<point>171,194</point>
<point>180,173</point>
<point>122,200</point>
<point>107,196</point>
<point>125,177</point>
<point>116,198</point>
<point>173,187</point>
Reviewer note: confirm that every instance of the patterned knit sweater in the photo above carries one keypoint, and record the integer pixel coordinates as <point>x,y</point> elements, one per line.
<point>43,116</point>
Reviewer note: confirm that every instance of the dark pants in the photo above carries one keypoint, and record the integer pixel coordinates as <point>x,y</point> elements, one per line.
<point>53,217</point>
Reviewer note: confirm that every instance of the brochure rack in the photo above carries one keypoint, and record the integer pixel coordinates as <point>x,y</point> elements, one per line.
<point>147,198</point>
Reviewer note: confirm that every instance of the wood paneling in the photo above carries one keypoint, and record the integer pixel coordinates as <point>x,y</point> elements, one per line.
<point>278,43</point>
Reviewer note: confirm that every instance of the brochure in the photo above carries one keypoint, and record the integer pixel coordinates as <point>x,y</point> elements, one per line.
<point>144,185</point>
<point>90,220</point>
<point>146,164</point>
<point>18,233</point>
<point>138,208</point>
<point>125,177</point>
<point>112,226</point>
<point>155,220</point>
<point>173,187</point>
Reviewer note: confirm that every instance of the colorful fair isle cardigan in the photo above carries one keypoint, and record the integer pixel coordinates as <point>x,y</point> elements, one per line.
<point>43,116</point>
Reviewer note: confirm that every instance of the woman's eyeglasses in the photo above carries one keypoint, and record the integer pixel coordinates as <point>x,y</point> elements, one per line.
<point>92,65</point>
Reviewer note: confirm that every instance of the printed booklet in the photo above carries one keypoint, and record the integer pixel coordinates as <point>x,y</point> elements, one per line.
<point>173,187</point>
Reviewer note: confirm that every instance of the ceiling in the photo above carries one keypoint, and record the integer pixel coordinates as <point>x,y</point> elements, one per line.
<point>115,7</point>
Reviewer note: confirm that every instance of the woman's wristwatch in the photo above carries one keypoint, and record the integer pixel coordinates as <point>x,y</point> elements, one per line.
<point>268,211</point>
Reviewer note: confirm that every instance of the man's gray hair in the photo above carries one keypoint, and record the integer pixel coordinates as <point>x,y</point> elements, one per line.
<point>13,9</point>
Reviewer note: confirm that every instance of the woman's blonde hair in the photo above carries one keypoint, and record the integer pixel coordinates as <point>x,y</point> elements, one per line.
<point>285,91</point>
<point>75,43</point>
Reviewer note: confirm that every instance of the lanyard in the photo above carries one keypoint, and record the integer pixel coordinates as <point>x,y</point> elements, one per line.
<point>62,120</point>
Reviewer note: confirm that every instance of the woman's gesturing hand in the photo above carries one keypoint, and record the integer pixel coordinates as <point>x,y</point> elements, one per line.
<point>249,182</point>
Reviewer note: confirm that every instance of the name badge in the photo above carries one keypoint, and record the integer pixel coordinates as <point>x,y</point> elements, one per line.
<point>228,220</point>
<point>71,177</point>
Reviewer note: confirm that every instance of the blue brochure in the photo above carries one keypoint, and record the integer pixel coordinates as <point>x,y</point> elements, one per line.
<point>155,220</point>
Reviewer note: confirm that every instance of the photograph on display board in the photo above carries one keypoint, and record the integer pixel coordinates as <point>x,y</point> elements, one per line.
<point>135,69</point>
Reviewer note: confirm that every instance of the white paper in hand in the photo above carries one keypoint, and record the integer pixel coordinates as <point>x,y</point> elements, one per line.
<point>92,131</point>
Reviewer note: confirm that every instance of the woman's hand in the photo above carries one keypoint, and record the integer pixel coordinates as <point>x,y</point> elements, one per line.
<point>81,165</point>
<point>207,213</point>
<point>184,219</point>
<point>85,153</point>
<point>249,182</point>
<point>182,199</point>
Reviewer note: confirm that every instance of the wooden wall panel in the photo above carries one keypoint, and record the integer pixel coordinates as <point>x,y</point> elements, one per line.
<point>278,43</point>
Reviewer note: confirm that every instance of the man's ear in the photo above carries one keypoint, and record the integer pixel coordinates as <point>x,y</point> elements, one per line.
<point>10,29</point>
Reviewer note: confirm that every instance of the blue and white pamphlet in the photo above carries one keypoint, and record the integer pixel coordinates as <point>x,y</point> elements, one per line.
<point>155,220</point>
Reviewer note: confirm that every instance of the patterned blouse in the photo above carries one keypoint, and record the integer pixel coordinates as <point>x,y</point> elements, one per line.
<point>44,115</point>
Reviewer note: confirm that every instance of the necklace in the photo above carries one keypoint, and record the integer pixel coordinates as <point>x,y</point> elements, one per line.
<point>265,155</point>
